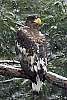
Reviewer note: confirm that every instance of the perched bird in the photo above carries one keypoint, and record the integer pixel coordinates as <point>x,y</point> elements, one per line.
<point>31,51</point>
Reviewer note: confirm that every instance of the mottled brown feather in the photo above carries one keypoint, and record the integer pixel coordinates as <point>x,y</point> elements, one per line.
<point>31,35</point>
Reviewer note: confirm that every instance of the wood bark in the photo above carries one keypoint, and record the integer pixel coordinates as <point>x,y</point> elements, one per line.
<point>56,79</point>
<point>16,71</point>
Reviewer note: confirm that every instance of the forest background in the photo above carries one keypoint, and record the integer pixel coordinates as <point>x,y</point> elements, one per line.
<point>54,25</point>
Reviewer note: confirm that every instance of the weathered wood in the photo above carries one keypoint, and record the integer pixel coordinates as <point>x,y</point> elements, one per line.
<point>56,79</point>
<point>10,61</point>
<point>12,71</point>
<point>15,71</point>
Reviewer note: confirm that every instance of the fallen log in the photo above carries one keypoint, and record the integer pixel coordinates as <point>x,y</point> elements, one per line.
<point>15,71</point>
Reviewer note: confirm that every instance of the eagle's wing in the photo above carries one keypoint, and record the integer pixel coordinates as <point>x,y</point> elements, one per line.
<point>31,51</point>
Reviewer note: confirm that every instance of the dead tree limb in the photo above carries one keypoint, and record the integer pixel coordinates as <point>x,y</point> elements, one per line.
<point>15,71</point>
<point>56,79</point>
<point>9,61</point>
<point>12,71</point>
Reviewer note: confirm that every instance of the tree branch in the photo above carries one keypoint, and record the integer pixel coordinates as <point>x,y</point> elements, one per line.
<point>56,79</point>
<point>15,71</point>
<point>12,71</point>
<point>9,61</point>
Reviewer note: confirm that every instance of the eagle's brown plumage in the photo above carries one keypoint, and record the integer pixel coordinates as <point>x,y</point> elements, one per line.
<point>31,52</point>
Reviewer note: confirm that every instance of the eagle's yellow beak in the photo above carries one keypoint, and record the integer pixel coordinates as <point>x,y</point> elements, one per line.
<point>38,21</point>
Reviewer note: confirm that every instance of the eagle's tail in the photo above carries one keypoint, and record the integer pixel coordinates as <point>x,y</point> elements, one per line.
<point>39,77</point>
<point>37,86</point>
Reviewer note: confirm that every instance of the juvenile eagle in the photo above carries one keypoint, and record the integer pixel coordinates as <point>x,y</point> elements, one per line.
<point>31,51</point>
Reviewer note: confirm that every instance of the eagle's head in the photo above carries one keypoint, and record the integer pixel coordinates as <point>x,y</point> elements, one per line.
<point>33,20</point>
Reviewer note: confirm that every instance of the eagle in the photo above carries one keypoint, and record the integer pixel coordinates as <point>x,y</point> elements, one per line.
<point>31,51</point>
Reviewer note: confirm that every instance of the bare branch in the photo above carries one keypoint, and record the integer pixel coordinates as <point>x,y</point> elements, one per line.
<point>12,71</point>
<point>15,71</point>
<point>56,79</point>
<point>10,61</point>
<point>10,80</point>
